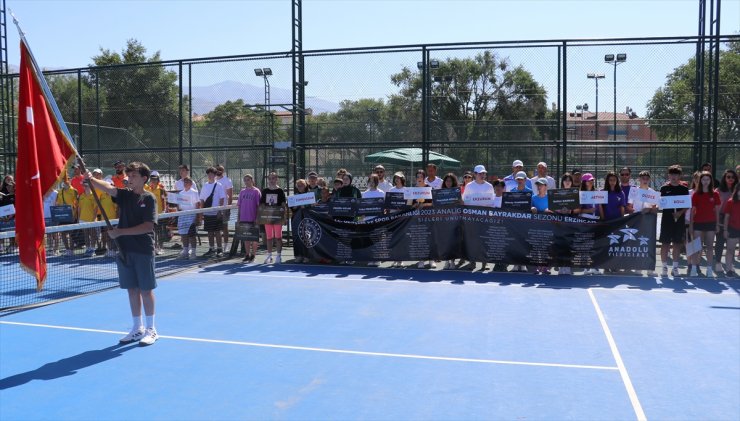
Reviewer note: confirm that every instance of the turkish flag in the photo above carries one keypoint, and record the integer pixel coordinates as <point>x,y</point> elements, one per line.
<point>44,149</point>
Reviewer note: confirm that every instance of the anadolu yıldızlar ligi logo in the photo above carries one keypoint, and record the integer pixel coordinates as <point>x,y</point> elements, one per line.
<point>626,243</point>
<point>309,231</point>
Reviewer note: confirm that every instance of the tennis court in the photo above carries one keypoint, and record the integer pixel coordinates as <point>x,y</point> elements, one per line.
<point>331,342</point>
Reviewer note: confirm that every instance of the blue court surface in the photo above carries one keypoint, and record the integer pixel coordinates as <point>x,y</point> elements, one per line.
<point>328,342</point>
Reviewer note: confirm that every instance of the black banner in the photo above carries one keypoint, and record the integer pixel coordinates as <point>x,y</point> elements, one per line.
<point>62,214</point>
<point>444,197</point>
<point>245,231</point>
<point>395,200</point>
<point>343,207</point>
<point>563,199</point>
<point>371,206</point>
<point>517,200</point>
<point>481,234</point>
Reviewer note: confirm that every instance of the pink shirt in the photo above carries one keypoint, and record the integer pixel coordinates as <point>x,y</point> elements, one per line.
<point>249,201</point>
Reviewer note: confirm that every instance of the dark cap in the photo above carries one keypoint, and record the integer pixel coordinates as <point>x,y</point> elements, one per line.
<point>575,171</point>
<point>312,174</point>
<point>117,163</point>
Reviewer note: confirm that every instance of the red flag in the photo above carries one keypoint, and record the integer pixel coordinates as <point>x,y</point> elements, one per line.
<point>44,148</point>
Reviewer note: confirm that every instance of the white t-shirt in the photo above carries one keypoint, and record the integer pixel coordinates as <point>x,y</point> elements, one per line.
<point>217,195</point>
<point>49,201</point>
<point>639,205</point>
<point>479,194</point>
<point>385,186</point>
<point>180,186</point>
<point>188,199</point>
<point>227,184</point>
<point>396,190</point>
<point>550,181</point>
<point>373,194</point>
<point>436,184</point>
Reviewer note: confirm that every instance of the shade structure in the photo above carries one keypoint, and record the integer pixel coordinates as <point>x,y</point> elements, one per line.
<point>408,157</point>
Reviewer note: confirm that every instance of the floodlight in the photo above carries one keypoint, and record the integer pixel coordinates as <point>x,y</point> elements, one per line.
<point>621,57</point>
<point>434,64</point>
<point>258,72</point>
<point>609,58</point>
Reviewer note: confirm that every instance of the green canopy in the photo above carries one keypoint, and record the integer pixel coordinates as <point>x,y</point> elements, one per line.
<point>410,157</point>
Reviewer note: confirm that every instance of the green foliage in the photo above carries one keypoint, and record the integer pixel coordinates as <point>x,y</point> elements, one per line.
<point>671,111</point>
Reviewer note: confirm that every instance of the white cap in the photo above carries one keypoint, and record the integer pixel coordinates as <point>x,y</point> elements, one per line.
<point>154,174</point>
<point>543,163</point>
<point>517,163</point>
<point>520,174</point>
<point>480,169</point>
<point>97,171</point>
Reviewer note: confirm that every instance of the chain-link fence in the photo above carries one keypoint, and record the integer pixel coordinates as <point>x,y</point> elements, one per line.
<point>555,101</point>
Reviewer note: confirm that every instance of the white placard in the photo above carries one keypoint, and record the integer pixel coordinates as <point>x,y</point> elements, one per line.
<point>594,197</point>
<point>302,199</point>
<point>414,193</point>
<point>693,247</point>
<point>480,199</point>
<point>7,210</point>
<point>644,196</point>
<point>186,199</point>
<point>589,216</point>
<point>675,202</point>
<point>509,185</point>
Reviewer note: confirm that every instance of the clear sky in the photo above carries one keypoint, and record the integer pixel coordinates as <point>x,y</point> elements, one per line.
<point>67,33</point>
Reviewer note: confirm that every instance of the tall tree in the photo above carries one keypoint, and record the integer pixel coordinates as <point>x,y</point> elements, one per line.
<point>671,111</point>
<point>142,99</point>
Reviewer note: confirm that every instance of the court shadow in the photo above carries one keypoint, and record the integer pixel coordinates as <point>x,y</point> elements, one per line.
<point>67,366</point>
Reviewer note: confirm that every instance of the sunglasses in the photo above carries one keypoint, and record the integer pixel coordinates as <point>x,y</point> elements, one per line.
<point>624,175</point>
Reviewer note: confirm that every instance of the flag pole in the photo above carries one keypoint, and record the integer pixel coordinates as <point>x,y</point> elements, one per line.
<point>63,126</point>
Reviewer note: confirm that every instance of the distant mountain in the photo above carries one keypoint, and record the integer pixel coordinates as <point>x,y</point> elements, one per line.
<point>206,98</point>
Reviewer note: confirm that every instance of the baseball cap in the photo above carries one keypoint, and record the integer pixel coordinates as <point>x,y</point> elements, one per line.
<point>379,167</point>
<point>338,180</point>
<point>543,163</point>
<point>521,174</point>
<point>312,174</point>
<point>575,171</point>
<point>117,163</point>
<point>542,181</point>
<point>154,174</point>
<point>587,177</point>
<point>480,169</point>
<point>97,171</point>
<point>517,163</point>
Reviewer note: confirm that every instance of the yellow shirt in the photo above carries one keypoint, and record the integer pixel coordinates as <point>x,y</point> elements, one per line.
<point>160,195</point>
<point>88,208</point>
<point>110,208</point>
<point>67,196</point>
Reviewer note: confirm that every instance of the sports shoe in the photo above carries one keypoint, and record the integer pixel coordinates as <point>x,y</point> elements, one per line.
<point>158,251</point>
<point>420,265</point>
<point>674,272</point>
<point>664,271</point>
<point>149,337</point>
<point>710,272</point>
<point>693,272</point>
<point>247,259</point>
<point>651,274</point>
<point>192,256</point>
<point>268,259</point>
<point>184,254</point>
<point>133,336</point>
<point>209,253</point>
<point>447,265</point>
<point>278,259</point>
<point>730,274</point>
<point>219,252</point>
<point>433,265</point>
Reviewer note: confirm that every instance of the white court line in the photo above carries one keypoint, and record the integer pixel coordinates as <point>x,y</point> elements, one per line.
<point>469,282</point>
<point>329,350</point>
<point>618,358</point>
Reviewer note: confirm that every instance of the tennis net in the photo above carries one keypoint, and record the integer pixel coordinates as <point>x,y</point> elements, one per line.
<point>81,258</point>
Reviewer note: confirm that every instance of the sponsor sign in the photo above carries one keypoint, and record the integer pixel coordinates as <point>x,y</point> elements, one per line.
<point>675,202</point>
<point>444,197</point>
<point>413,193</point>
<point>517,200</point>
<point>594,197</point>
<point>563,199</point>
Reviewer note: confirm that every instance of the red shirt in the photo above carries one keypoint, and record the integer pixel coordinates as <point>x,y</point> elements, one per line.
<point>733,209</point>
<point>704,204</point>
<point>77,184</point>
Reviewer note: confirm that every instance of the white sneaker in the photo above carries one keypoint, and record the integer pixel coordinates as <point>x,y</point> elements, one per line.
<point>693,271</point>
<point>192,255</point>
<point>268,259</point>
<point>133,336</point>
<point>420,265</point>
<point>432,265</point>
<point>184,254</point>
<point>158,251</point>
<point>149,337</point>
<point>651,274</point>
<point>398,264</point>
<point>278,259</point>
<point>664,272</point>
<point>674,272</point>
<point>710,272</point>
<point>447,266</point>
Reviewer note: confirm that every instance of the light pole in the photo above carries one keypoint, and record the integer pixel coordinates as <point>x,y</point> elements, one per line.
<point>596,77</point>
<point>612,59</point>
<point>264,73</point>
